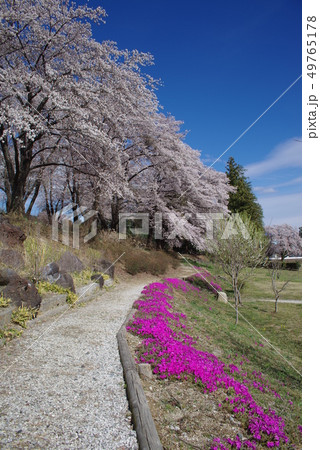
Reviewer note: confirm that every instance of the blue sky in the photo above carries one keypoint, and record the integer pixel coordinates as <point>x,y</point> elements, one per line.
<point>222,65</point>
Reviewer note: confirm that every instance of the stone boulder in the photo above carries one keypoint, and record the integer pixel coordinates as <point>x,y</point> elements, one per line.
<point>11,258</point>
<point>145,371</point>
<point>104,266</point>
<point>222,297</point>
<point>70,263</point>
<point>7,276</point>
<point>98,278</point>
<point>50,272</point>
<point>22,292</point>
<point>65,280</point>
<point>11,235</point>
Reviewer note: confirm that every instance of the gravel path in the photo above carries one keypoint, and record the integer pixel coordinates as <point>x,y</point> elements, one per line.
<point>62,382</point>
<point>297,302</point>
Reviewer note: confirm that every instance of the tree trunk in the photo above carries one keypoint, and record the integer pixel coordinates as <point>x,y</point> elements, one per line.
<point>276,304</point>
<point>48,210</point>
<point>236,297</point>
<point>34,197</point>
<point>17,169</point>
<point>237,313</point>
<point>103,223</point>
<point>115,208</point>
<point>16,203</point>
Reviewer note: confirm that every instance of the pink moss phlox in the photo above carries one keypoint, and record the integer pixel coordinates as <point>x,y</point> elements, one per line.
<point>173,353</point>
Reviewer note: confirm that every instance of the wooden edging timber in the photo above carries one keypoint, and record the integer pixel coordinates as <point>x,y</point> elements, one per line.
<point>143,423</point>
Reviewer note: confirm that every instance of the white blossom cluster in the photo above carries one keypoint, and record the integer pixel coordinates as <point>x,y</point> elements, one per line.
<point>80,122</point>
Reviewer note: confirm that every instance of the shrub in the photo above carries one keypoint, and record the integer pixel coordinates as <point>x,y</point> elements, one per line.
<point>158,263</point>
<point>154,262</point>
<point>175,261</point>
<point>21,315</point>
<point>4,302</point>
<point>83,277</point>
<point>71,297</point>
<point>44,287</point>
<point>8,334</point>
<point>38,253</point>
<point>135,263</point>
<point>204,280</point>
<point>292,265</point>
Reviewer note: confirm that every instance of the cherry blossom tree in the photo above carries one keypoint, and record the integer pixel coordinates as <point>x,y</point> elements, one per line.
<point>173,182</point>
<point>284,241</point>
<point>64,95</point>
<point>80,122</point>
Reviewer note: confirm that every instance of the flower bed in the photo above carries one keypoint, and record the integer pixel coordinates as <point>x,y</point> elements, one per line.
<point>204,279</point>
<point>173,354</point>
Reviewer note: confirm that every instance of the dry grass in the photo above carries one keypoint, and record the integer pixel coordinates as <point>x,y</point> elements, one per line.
<point>39,249</point>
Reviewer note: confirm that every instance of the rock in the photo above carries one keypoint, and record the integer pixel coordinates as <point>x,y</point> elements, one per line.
<point>50,271</point>
<point>11,258</point>
<point>240,436</point>
<point>22,292</point>
<point>105,267</point>
<point>222,297</point>
<point>70,263</point>
<point>7,276</point>
<point>98,277</point>
<point>145,371</point>
<point>65,280</point>
<point>11,235</point>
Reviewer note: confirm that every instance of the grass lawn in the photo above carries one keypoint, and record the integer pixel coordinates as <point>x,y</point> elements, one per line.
<point>188,418</point>
<point>259,284</point>
<point>216,329</point>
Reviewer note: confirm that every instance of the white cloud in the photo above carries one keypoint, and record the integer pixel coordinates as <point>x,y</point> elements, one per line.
<point>265,190</point>
<point>285,155</point>
<point>274,187</point>
<point>281,209</point>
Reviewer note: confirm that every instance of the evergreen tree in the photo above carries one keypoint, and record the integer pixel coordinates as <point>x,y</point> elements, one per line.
<point>243,200</point>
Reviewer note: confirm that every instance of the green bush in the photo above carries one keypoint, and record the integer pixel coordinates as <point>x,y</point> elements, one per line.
<point>4,302</point>
<point>7,334</point>
<point>44,287</point>
<point>83,277</point>
<point>71,297</point>
<point>21,315</point>
<point>292,265</point>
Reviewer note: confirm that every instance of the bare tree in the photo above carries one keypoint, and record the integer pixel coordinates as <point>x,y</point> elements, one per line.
<point>277,286</point>
<point>239,248</point>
